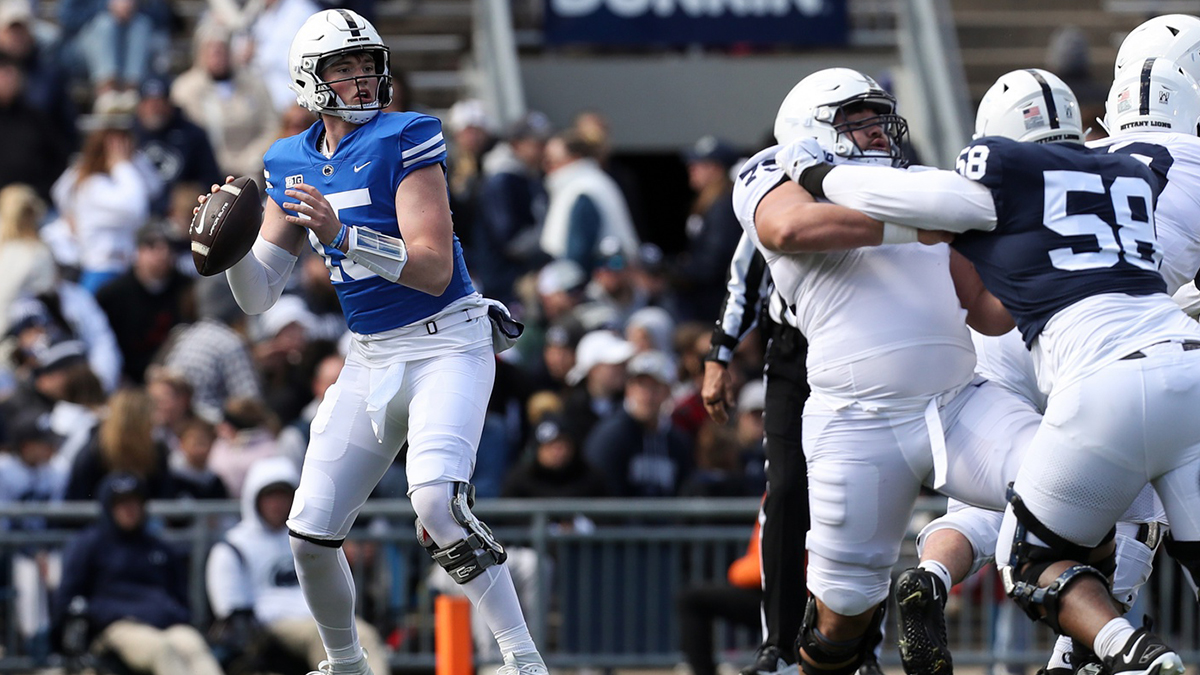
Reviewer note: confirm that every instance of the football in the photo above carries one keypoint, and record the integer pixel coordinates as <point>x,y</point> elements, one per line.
<point>224,228</point>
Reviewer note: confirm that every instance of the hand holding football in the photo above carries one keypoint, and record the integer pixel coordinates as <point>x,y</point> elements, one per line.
<point>226,225</point>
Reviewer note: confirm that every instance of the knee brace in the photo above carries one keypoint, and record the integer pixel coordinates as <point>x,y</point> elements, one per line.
<point>1187,554</point>
<point>466,558</point>
<point>1029,560</point>
<point>825,654</point>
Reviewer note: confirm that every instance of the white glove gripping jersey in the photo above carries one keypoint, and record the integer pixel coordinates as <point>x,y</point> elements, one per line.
<point>884,324</point>
<point>1175,161</point>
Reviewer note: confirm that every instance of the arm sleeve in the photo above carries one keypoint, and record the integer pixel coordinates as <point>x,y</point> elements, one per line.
<point>930,200</point>
<point>739,312</point>
<point>1188,299</point>
<point>224,575</point>
<point>257,280</point>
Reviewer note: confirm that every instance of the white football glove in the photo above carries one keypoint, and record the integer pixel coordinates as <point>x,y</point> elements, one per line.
<point>801,154</point>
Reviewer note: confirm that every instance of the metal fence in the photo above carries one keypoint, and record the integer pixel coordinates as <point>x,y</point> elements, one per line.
<point>604,578</point>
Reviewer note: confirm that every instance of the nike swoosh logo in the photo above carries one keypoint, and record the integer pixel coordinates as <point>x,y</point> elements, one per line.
<point>360,168</point>
<point>1126,656</point>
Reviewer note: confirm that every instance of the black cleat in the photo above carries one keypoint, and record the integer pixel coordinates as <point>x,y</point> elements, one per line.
<point>921,599</point>
<point>767,661</point>
<point>870,666</point>
<point>1144,654</point>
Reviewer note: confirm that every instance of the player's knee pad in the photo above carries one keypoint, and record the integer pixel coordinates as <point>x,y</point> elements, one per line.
<point>1187,554</point>
<point>1030,559</point>
<point>468,557</point>
<point>835,658</point>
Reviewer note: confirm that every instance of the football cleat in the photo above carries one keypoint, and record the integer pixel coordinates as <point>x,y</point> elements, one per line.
<point>921,600</point>
<point>359,667</point>
<point>528,663</point>
<point>1144,654</point>
<point>767,661</point>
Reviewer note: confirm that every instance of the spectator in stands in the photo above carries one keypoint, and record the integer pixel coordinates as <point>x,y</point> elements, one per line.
<point>639,449</point>
<point>293,439</point>
<point>32,473</point>
<point>651,329</point>
<point>557,358</point>
<point>736,602</point>
<point>585,204</point>
<point>554,467</point>
<point>273,24</point>
<point>690,342</point>
<point>171,395</point>
<point>67,312</point>
<point>650,275</point>
<point>115,41</point>
<point>212,353</point>
<point>712,229</point>
<point>231,103</point>
<point>124,442</point>
<point>295,119</point>
<point>511,207</point>
<point>27,262</point>
<point>326,320</point>
<point>597,381</point>
<point>611,292</point>
<point>103,198</point>
<point>189,466</point>
<point>280,348</point>
<point>251,572</point>
<point>44,378</point>
<point>592,126</point>
<point>37,55</point>
<point>146,302</point>
<point>76,415</point>
<point>247,433</point>
<point>751,402</point>
<point>134,588</point>
<point>33,153</point>
<point>470,129</point>
<point>179,149</point>
<point>402,98</point>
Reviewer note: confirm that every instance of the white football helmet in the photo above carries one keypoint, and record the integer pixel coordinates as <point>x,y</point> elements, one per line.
<point>814,108</point>
<point>331,33</point>
<point>1158,96</point>
<point>1030,105</point>
<point>1171,36</point>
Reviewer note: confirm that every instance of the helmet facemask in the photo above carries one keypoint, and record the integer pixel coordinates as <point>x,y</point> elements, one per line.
<point>325,37</point>
<point>357,113</point>
<point>893,126</point>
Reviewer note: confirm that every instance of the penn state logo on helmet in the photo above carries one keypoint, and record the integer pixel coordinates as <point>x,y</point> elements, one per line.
<point>323,37</point>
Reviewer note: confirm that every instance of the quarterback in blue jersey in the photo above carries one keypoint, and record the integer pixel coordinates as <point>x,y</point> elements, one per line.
<point>1063,239</point>
<point>367,190</point>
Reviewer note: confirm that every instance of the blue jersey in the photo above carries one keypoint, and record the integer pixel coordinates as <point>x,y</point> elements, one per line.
<point>360,182</point>
<point>1070,223</point>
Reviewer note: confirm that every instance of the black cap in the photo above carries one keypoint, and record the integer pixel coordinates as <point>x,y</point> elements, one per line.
<point>32,427</point>
<point>59,355</point>
<point>712,149</point>
<point>121,484</point>
<point>565,332</point>
<point>551,428</point>
<point>155,86</point>
<point>532,124</point>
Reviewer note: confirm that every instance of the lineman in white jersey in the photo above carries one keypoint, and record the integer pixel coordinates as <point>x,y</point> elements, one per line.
<point>1063,235</point>
<point>894,402</point>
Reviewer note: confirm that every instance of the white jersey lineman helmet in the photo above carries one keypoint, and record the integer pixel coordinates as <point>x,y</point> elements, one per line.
<point>810,110</point>
<point>1156,94</point>
<point>331,33</point>
<point>1030,105</point>
<point>1172,36</point>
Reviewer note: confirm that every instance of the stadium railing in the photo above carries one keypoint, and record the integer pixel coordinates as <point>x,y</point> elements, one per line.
<point>607,574</point>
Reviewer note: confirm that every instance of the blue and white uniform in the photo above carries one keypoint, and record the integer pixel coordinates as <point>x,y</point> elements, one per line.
<point>420,368</point>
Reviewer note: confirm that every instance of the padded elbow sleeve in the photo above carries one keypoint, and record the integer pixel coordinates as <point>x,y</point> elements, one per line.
<point>258,279</point>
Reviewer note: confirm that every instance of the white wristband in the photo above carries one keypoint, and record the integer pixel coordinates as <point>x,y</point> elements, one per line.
<point>898,234</point>
<point>383,254</point>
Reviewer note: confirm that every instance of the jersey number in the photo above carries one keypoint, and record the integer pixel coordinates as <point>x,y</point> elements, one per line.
<point>1132,240</point>
<point>345,269</point>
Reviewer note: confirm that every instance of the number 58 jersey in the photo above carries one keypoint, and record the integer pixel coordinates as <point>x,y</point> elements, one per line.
<point>1071,223</point>
<point>360,183</point>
